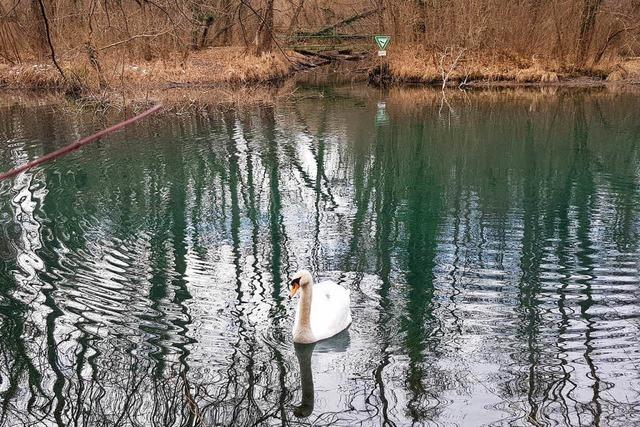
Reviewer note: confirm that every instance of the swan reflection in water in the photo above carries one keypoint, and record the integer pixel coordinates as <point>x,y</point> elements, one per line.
<point>336,344</point>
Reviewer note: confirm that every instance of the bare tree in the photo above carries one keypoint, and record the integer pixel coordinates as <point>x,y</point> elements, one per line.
<point>448,63</point>
<point>47,30</point>
<point>40,29</point>
<point>587,26</point>
<point>264,35</point>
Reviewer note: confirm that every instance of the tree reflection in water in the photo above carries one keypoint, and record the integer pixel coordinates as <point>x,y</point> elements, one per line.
<point>492,262</point>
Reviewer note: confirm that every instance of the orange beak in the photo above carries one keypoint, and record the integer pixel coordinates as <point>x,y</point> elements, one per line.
<point>294,289</point>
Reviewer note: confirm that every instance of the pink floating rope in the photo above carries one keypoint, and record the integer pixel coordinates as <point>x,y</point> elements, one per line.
<point>84,141</point>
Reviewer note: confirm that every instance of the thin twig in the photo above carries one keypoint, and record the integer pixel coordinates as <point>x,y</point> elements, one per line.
<point>14,7</point>
<point>137,36</point>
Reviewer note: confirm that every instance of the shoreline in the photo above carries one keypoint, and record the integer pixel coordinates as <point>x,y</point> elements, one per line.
<point>276,82</point>
<point>218,100</point>
<point>195,86</point>
<point>234,68</point>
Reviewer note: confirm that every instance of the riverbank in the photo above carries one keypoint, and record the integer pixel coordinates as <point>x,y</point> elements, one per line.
<point>237,73</point>
<point>417,66</point>
<point>207,67</point>
<point>317,87</point>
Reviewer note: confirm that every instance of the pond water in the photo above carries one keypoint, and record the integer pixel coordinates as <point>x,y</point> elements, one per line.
<point>490,240</point>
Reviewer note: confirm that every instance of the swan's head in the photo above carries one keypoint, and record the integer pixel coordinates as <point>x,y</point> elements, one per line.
<point>299,280</point>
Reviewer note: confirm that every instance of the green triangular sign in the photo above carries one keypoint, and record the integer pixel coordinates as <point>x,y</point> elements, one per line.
<point>382,41</point>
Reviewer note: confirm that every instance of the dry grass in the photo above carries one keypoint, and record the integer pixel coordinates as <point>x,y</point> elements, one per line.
<point>229,68</point>
<point>210,67</point>
<point>32,76</point>
<point>628,70</point>
<point>414,64</point>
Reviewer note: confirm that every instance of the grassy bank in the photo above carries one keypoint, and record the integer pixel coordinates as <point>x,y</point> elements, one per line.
<point>208,67</point>
<point>415,65</point>
<point>237,72</point>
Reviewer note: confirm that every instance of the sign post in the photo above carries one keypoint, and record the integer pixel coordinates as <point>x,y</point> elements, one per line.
<point>382,42</point>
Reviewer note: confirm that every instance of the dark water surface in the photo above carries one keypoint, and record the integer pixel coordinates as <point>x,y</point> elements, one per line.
<point>491,244</point>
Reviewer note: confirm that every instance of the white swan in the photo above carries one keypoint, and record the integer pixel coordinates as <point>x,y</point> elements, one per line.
<point>324,309</point>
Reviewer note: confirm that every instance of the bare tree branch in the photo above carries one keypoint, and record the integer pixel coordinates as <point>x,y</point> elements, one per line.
<point>137,36</point>
<point>48,30</point>
<point>446,72</point>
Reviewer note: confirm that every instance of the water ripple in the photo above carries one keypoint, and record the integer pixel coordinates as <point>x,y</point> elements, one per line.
<point>492,263</point>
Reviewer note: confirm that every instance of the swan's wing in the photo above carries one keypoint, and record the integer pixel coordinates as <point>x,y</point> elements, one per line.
<point>330,309</point>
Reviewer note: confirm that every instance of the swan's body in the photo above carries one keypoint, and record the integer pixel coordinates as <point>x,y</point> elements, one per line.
<point>324,309</point>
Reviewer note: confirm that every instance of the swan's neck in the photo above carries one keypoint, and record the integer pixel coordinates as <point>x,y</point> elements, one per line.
<point>304,313</point>
<point>303,331</point>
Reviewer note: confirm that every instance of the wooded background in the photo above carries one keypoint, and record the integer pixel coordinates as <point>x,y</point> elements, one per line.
<point>575,33</point>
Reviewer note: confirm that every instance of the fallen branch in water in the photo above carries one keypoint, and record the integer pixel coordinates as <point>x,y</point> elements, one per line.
<point>78,144</point>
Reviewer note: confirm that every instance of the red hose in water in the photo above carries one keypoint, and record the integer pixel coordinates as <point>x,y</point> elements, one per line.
<point>84,141</point>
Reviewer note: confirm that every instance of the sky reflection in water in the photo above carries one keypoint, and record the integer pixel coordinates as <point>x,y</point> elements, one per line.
<point>491,247</point>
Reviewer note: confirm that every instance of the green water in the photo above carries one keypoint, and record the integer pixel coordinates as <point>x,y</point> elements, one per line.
<point>491,243</point>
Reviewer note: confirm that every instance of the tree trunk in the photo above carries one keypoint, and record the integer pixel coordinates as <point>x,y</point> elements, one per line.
<point>8,44</point>
<point>40,46</point>
<point>264,38</point>
<point>380,7</point>
<point>227,21</point>
<point>47,34</point>
<point>92,54</point>
<point>559,45</point>
<point>294,17</point>
<point>420,29</point>
<point>587,27</point>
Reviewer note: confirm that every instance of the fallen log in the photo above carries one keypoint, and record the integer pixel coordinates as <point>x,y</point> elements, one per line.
<point>332,55</point>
